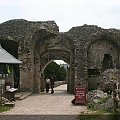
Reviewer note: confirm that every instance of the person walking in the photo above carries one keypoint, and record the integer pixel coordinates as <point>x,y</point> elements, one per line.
<point>52,84</point>
<point>47,83</point>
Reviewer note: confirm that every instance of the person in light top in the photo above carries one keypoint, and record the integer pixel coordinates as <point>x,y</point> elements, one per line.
<point>47,84</point>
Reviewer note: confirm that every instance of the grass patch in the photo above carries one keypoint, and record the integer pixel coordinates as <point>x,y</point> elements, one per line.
<point>4,108</point>
<point>98,115</point>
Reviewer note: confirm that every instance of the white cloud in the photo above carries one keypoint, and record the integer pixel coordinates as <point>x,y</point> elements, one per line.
<point>66,13</point>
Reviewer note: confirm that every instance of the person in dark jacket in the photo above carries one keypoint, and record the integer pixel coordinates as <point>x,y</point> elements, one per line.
<point>52,84</point>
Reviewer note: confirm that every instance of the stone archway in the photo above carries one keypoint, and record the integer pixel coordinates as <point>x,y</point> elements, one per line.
<point>54,55</point>
<point>48,48</point>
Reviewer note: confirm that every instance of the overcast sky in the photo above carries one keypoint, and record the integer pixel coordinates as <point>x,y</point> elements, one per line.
<point>66,13</point>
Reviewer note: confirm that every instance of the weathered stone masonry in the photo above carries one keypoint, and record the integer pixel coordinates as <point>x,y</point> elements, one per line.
<point>91,44</point>
<point>84,48</point>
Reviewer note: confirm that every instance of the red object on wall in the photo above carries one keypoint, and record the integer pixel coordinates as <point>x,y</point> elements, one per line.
<point>80,95</point>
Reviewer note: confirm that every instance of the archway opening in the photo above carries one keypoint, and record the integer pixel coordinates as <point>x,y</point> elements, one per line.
<point>57,71</point>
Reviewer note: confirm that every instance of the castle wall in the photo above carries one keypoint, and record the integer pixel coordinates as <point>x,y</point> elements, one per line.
<point>83,47</point>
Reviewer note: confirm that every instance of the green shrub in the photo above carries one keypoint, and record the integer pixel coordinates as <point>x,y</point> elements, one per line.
<point>103,100</point>
<point>91,105</point>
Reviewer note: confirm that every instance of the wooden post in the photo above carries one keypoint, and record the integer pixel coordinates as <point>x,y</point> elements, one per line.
<point>12,77</point>
<point>115,102</point>
<point>114,99</point>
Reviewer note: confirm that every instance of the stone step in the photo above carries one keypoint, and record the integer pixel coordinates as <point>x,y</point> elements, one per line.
<point>22,95</point>
<point>9,104</point>
<point>17,96</point>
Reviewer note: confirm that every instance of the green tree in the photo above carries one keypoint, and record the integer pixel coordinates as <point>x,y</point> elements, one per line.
<point>62,74</point>
<point>53,69</point>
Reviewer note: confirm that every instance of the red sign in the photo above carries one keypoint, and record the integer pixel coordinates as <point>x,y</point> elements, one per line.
<point>80,95</point>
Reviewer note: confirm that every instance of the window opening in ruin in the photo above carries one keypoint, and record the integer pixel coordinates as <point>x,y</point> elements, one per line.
<point>107,62</point>
<point>93,72</point>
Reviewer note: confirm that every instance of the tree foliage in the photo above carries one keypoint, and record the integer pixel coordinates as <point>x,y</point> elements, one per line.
<point>55,70</point>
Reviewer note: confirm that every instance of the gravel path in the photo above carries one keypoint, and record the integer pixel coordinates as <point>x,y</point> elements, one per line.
<point>58,103</point>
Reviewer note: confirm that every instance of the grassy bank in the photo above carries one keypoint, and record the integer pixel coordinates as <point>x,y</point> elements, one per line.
<point>4,108</point>
<point>99,115</point>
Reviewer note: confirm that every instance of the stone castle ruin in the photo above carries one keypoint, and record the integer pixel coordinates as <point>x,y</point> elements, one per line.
<point>88,49</point>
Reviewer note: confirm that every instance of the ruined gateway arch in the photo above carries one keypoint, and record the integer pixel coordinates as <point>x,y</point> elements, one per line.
<point>39,43</point>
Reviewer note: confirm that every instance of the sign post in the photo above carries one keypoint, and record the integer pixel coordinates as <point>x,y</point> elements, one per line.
<point>80,95</point>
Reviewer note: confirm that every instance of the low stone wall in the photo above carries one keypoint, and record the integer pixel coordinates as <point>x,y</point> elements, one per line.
<point>58,83</point>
